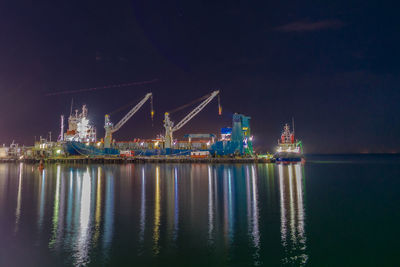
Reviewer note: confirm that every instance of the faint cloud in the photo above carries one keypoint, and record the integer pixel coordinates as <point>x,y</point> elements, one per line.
<point>122,58</point>
<point>307,26</point>
<point>99,56</point>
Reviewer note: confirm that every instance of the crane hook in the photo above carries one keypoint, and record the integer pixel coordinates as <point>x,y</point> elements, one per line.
<point>151,110</point>
<point>219,106</point>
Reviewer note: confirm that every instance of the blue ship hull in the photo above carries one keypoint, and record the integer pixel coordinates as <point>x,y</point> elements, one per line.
<point>162,152</point>
<point>78,148</point>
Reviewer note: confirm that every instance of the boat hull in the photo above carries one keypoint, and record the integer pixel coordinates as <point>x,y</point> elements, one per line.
<point>78,148</point>
<point>288,158</point>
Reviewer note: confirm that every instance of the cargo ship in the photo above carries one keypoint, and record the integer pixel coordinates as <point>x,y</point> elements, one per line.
<point>289,150</point>
<point>80,137</point>
<point>80,140</point>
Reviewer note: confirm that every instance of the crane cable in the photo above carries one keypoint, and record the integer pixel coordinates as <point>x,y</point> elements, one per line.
<point>122,108</point>
<point>198,100</point>
<point>189,104</point>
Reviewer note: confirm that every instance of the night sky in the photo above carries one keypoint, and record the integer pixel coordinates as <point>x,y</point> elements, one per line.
<point>332,65</point>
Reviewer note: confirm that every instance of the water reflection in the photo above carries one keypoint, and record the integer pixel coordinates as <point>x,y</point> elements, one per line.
<point>56,209</point>
<point>42,194</point>
<point>98,207</point>
<point>84,220</point>
<point>210,205</point>
<point>142,206</point>
<point>253,228</point>
<point>293,237</point>
<point>109,213</point>
<point>157,214</point>
<point>176,206</point>
<point>3,185</point>
<point>18,208</point>
<point>228,207</point>
<point>91,212</point>
<point>70,205</point>
<point>77,224</point>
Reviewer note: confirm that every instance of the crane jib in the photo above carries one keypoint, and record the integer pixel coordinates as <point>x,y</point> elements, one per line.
<point>131,113</point>
<point>195,111</point>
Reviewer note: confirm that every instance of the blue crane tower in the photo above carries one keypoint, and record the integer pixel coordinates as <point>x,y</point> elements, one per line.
<point>240,142</point>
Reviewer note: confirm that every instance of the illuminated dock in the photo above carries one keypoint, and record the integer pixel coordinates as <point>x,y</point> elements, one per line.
<point>152,159</point>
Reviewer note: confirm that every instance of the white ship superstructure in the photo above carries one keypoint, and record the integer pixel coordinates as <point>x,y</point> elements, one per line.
<point>79,127</point>
<point>289,149</point>
<point>287,143</point>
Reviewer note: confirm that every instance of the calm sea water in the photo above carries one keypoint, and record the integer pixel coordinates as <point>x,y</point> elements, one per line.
<point>333,211</point>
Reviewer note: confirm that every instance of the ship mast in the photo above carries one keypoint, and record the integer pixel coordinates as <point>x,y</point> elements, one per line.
<point>293,125</point>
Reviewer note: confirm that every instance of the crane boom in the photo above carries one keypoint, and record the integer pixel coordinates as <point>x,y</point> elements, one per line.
<point>195,111</point>
<point>169,125</point>
<point>131,113</point>
<point>110,128</point>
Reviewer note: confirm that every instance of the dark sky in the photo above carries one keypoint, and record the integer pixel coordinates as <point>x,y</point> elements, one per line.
<point>333,65</point>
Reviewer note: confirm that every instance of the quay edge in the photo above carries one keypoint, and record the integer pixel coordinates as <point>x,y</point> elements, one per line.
<point>122,160</point>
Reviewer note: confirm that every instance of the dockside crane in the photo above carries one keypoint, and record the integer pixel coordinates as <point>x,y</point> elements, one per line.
<point>169,125</point>
<point>109,126</point>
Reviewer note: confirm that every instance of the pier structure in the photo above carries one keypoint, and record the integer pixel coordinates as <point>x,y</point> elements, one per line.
<point>124,160</point>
